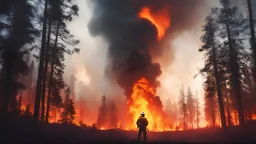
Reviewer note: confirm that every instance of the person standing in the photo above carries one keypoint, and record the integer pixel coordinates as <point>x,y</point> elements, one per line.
<point>142,124</point>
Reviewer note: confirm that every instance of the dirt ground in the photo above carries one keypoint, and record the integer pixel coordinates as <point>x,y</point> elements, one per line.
<point>27,131</point>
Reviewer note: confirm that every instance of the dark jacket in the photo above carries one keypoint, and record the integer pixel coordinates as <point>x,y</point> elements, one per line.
<point>142,122</point>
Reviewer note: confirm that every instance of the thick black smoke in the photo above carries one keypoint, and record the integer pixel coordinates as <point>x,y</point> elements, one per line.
<point>131,39</point>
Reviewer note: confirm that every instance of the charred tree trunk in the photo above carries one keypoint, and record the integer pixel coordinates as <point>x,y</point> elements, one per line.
<point>253,43</point>
<point>51,73</point>
<point>41,64</point>
<point>46,67</point>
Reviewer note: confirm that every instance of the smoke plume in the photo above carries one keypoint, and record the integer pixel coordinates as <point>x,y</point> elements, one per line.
<point>133,42</point>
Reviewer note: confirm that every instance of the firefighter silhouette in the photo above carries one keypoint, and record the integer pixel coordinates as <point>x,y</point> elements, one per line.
<point>142,124</point>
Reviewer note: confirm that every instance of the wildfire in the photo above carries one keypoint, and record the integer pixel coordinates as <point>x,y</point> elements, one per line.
<point>141,101</point>
<point>161,19</point>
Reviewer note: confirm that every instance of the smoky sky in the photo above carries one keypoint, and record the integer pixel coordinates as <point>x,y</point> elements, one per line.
<point>133,41</point>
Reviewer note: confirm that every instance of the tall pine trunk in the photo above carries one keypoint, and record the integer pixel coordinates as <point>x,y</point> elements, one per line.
<point>235,74</point>
<point>253,43</point>
<point>51,73</point>
<point>41,64</point>
<point>46,68</point>
<point>218,85</point>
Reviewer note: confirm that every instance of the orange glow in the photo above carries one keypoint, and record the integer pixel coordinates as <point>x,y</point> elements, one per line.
<point>161,19</point>
<point>141,101</point>
<point>253,116</point>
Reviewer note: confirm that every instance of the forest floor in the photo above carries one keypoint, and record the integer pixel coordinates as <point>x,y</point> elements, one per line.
<point>19,130</point>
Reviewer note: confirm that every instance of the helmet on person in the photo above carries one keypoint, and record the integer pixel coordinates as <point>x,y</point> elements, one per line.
<point>142,114</point>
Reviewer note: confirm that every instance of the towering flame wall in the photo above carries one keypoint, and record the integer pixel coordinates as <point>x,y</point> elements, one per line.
<point>142,100</point>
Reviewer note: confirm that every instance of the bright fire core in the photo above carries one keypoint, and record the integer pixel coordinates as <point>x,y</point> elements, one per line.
<point>142,99</point>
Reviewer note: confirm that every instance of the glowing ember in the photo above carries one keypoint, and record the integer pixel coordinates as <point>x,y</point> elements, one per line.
<point>141,101</point>
<point>161,19</point>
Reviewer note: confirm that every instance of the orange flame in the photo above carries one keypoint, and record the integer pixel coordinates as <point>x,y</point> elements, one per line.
<point>161,19</point>
<point>141,99</point>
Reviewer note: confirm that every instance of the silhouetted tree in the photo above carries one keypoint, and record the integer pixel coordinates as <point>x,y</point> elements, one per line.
<point>101,121</point>
<point>41,63</point>
<point>14,47</point>
<point>190,107</point>
<point>197,110</point>
<point>248,92</point>
<point>231,29</point>
<point>212,66</point>
<point>62,11</point>
<point>253,43</point>
<point>54,95</point>
<point>68,113</point>
<point>183,107</point>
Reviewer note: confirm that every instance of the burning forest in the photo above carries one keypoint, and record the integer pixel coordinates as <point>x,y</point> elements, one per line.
<point>112,68</point>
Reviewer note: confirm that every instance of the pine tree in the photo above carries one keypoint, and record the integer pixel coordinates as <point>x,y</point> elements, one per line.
<point>72,111</point>
<point>190,107</point>
<point>14,48</point>
<point>248,92</point>
<point>41,63</point>
<point>212,64</point>
<point>68,113</point>
<point>101,120</point>
<point>62,11</point>
<point>54,96</point>
<point>232,28</point>
<point>183,107</point>
<point>252,42</point>
<point>46,62</point>
<point>197,108</point>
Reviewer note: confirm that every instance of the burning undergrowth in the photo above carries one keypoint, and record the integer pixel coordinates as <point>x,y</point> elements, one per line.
<point>138,31</point>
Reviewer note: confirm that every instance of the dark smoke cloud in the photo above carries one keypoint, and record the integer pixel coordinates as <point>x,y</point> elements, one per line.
<point>132,41</point>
